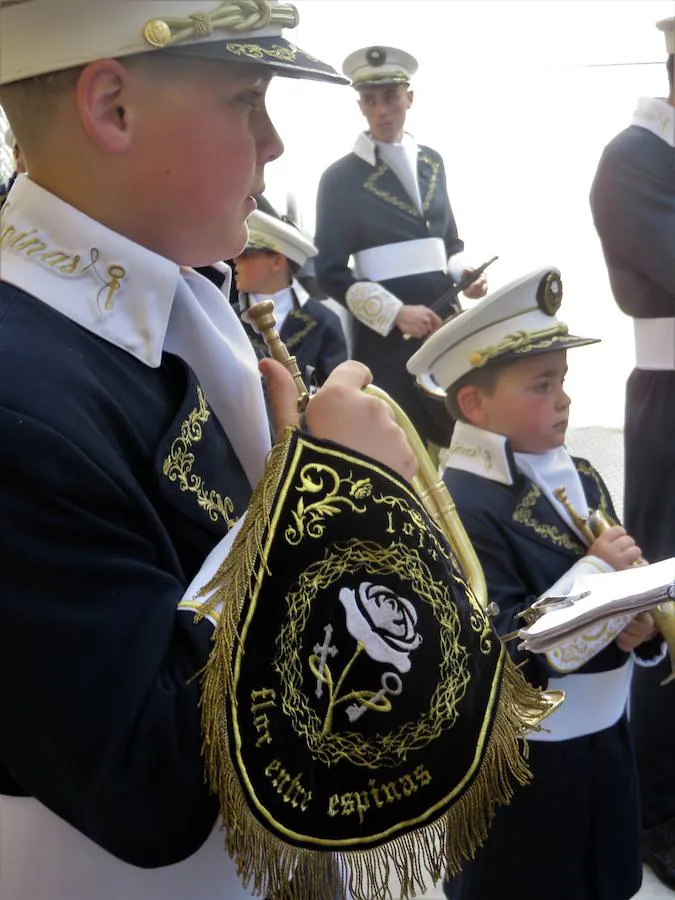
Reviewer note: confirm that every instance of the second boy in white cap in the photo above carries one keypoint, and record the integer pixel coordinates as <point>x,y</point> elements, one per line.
<point>266,270</point>
<point>502,366</point>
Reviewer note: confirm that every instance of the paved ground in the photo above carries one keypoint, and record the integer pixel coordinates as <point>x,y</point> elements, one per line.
<point>652,889</point>
<point>603,447</point>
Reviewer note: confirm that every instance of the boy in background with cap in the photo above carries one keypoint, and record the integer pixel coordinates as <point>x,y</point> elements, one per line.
<point>133,427</point>
<point>501,366</point>
<point>633,205</point>
<point>266,270</point>
<point>386,205</point>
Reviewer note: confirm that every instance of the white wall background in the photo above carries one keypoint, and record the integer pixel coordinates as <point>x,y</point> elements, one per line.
<point>519,96</point>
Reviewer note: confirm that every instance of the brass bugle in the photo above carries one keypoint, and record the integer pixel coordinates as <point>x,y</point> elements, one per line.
<point>592,526</point>
<point>428,486</point>
<point>430,489</point>
<point>261,318</point>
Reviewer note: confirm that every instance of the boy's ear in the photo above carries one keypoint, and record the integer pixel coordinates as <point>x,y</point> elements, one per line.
<point>101,99</point>
<point>470,401</point>
<point>279,262</point>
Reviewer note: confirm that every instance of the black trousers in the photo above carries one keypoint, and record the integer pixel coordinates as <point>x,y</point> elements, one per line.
<point>652,722</point>
<point>649,516</point>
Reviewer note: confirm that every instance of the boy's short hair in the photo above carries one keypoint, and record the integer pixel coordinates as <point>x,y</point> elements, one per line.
<point>485,379</point>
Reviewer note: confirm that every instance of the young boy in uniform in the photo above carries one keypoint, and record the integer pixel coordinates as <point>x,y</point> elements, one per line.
<point>502,365</point>
<point>266,269</point>
<point>109,507</point>
<point>134,451</point>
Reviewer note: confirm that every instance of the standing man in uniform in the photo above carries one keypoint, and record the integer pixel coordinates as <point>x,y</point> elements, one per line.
<point>386,206</point>
<point>633,204</point>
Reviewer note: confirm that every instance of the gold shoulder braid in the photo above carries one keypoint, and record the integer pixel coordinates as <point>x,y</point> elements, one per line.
<point>357,706</point>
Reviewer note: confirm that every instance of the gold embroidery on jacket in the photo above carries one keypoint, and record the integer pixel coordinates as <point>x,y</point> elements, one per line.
<point>178,466</point>
<point>584,468</point>
<point>37,249</point>
<point>310,323</point>
<point>370,184</point>
<point>523,516</point>
<point>433,180</point>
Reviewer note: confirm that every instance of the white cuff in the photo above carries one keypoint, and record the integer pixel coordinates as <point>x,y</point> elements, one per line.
<point>373,305</point>
<point>576,652</point>
<point>456,265</point>
<point>654,661</point>
<point>190,601</point>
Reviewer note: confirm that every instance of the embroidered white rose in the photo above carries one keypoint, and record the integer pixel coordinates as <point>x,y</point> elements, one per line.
<point>383,622</point>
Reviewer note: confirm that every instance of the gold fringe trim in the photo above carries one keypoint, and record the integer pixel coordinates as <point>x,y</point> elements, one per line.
<point>271,868</point>
<point>229,587</point>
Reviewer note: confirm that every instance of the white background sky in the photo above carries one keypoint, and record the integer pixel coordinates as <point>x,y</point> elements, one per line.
<point>510,94</point>
<point>513,95</point>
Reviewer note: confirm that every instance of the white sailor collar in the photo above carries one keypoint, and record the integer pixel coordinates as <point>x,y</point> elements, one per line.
<point>480,452</point>
<point>284,300</point>
<point>109,285</point>
<point>366,148</point>
<point>657,116</point>
<point>488,455</point>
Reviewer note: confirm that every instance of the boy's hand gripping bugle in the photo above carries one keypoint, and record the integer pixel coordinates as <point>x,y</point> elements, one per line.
<point>600,529</point>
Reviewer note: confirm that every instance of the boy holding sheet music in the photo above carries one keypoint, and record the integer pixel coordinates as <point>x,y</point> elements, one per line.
<point>502,365</point>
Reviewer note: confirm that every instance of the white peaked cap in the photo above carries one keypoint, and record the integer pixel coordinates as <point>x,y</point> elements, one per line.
<point>266,232</point>
<point>515,322</point>
<point>379,65</point>
<point>42,36</point>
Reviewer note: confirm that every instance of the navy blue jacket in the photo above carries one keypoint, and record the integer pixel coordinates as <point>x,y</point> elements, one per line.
<point>117,482</point>
<point>313,334</point>
<point>633,204</point>
<point>524,546</point>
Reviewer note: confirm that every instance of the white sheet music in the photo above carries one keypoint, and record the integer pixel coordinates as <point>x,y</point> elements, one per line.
<point>599,597</point>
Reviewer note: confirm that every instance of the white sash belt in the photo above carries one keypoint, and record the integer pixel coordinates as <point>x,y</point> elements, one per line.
<point>43,858</point>
<point>654,344</point>
<point>593,702</point>
<point>402,258</point>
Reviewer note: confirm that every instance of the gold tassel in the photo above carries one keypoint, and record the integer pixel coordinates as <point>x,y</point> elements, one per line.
<point>265,864</point>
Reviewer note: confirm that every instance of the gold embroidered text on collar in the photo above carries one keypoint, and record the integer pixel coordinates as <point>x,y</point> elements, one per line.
<point>37,249</point>
<point>231,15</point>
<point>473,452</point>
<point>178,466</point>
